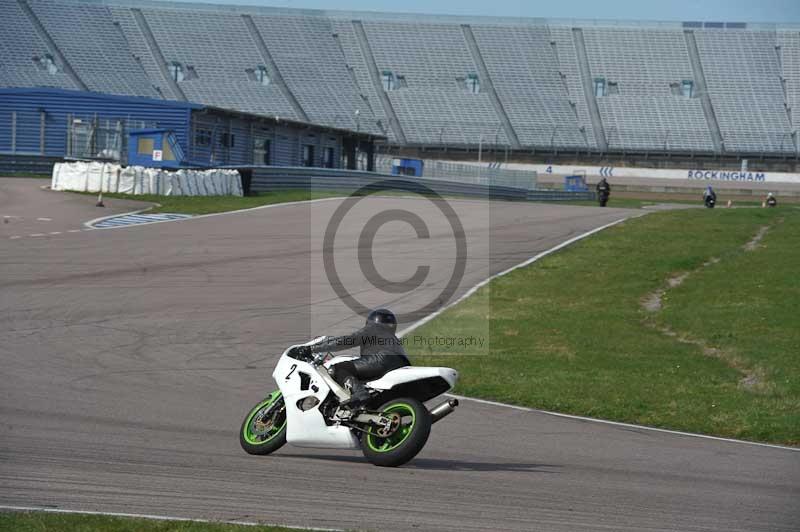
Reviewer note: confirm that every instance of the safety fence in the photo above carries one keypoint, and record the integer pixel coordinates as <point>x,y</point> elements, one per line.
<point>27,165</point>
<point>479,174</point>
<point>267,178</point>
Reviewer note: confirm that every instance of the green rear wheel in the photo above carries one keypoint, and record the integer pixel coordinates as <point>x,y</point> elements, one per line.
<point>264,428</point>
<point>407,435</point>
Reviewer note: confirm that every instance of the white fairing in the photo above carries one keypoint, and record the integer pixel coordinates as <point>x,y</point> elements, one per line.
<point>308,429</point>
<point>413,373</point>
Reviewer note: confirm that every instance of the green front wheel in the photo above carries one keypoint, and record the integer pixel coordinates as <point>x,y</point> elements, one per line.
<point>407,435</point>
<point>264,428</point>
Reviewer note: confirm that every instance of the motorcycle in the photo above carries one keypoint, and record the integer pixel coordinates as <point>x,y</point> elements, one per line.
<point>306,411</point>
<point>710,201</point>
<point>602,197</point>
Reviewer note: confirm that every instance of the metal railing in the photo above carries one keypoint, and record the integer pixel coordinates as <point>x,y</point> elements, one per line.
<point>270,178</point>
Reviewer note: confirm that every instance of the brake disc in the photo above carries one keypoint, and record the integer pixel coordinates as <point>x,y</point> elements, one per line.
<point>391,428</point>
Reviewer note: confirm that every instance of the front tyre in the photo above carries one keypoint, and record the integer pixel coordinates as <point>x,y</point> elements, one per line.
<point>406,437</point>
<point>264,428</point>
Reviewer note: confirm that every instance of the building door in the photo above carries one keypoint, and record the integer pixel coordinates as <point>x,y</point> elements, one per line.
<point>308,155</point>
<point>262,150</point>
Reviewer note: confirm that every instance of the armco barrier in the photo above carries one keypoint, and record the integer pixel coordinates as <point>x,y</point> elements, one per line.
<point>270,178</point>
<point>27,164</point>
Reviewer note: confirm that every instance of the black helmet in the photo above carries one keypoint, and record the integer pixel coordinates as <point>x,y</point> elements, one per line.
<point>383,317</point>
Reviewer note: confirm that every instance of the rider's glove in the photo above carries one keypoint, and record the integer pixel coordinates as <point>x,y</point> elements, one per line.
<point>301,351</point>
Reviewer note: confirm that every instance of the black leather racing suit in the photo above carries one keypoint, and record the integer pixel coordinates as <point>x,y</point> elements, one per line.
<point>381,352</point>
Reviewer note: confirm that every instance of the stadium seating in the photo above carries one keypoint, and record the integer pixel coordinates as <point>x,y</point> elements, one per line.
<point>19,44</point>
<point>526,73</point>
<point>744,83</point>
<point>567,59</point>
<point>315,70</point>
<point>94,47</point>
<point>533,81</point>
<point>218,47</point>
<point>789,42</point>
<point>431,101</point>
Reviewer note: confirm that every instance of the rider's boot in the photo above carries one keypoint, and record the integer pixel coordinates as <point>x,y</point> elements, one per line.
<point>359,395</point>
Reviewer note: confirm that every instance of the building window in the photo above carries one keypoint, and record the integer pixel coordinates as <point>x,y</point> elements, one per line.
<point>46,63</point>
<point>191,73</point>
<point>599,87</point>
<point>202,137</point>
<point>612,87</point>
<point>167,154</point>
<point>145,146</point>
<point>262,76</point>
<point>687,88</point>
<point>473,84</point>
<point>176,71</point>
<point>327,157</point>
<point>227,140</point>
<point>388,81</point>
<point>266,152</point>
<point>308,155</point>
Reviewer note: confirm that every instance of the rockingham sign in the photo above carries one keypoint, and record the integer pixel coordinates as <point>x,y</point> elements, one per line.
<point>726,175</point>
<point>611,172</point>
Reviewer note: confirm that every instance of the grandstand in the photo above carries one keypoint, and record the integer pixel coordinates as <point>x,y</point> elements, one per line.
<point>433,82</point>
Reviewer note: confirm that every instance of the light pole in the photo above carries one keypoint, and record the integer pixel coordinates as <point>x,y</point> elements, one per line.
<point>358,141</point>
<point>480,156</point>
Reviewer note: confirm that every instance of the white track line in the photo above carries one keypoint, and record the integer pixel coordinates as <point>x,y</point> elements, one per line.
<point>626,425</point>
<point>90,223</point>
<point>528,262</point>
<point>483,283</point>
<point>155,517</point>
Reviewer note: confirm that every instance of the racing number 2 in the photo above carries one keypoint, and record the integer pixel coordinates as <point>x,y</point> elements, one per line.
<point>294,367</point>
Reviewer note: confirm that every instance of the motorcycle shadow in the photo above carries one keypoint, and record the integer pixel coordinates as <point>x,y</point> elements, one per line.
<point>434,464</point>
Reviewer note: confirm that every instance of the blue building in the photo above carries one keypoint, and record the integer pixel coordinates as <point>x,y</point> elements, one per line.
<point>52,122</point>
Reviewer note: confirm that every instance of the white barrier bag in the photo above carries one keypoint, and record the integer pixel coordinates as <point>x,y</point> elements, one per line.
<point>109,177</point>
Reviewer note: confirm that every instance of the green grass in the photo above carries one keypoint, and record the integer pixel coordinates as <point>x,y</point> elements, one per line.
<point>45,522</point>
<point>569,333</point>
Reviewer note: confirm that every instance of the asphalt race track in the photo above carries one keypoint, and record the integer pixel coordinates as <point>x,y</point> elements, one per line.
<point>129,357</point>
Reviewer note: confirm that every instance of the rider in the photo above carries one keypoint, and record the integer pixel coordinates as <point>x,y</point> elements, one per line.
<point>381,352</point>
<point>709,193</point>
<point>771,200</point>
<point>603,186</point>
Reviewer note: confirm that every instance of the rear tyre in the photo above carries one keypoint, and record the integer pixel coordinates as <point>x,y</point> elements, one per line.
<point>264,428</point>
<point>404,440</point>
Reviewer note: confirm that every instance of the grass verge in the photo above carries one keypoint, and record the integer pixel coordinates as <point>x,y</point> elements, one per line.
<point>570,332</point>
<point>44,522</point>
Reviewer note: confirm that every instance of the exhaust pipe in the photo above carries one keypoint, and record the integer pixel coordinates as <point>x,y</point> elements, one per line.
<point>443,410</point>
